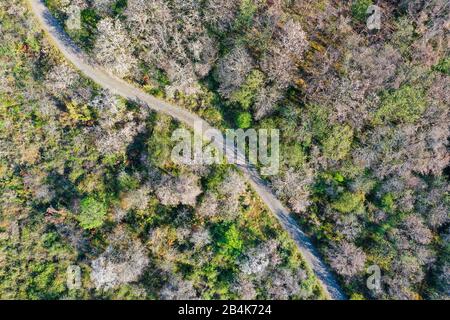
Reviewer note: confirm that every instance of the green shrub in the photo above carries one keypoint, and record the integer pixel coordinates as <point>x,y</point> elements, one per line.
<point>89,19</point>
<point>245,96</point>
<point>247,11</point>
<point>294,155</point>
<point>44,282</point>
<point>85,37</point>
<point>443,66</point>
<point>338,177</point>
<point>244,120</point>
<point>357,296</point>
<point>79,113</point>
<point>53,5</point>
<point>160,143</point>
<point>404,105</point>
<point>359,9</point>
<point>230,242</point>
<point>127,182</point>
<point>119,6</point>
<point>48,239</point>
<point>388,201</point>
<point>349,202</point>
<point>316,120</point>
<point>212,115</point>
<point>338,143</point>
<point>404,36</point>
<point>92,213</point>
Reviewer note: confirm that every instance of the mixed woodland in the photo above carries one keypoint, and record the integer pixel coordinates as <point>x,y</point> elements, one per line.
<point>86,177</point>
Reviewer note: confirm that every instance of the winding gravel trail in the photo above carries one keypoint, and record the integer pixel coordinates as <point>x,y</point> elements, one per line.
<point>117,86</point>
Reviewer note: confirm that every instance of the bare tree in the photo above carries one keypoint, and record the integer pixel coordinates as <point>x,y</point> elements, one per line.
<point>123,261</point>
<point>348,225</point>
<point>406,272</point>
<point>61,78</point>
<point>117,126</point>
<point>245,288</point>
<point>258,260</point>
<point>285,284</point>
<point>232,70</point>
<point>221,14</point>
<point>208,208</point>
<point>293,186</point>
<point>280,61</point>
<point>266,101</point>
<point>347,259</point>
<point>35,183</point>
<point>104,7</point>
<point>185,54</point>
<point>113,48</point>
<point>408,148</point>
<point>200,238</point>
<point>136,199</point>
<point>179,190</point>
<point>292,38</point>
<point>233,185</point>
<point>416,230</point>
<point>178,289</point>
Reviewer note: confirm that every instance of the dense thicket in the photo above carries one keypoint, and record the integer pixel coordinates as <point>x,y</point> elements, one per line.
<point>364,118</point>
